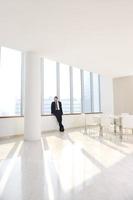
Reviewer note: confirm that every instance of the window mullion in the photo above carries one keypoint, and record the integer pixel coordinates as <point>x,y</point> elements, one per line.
<point>71,89</point>
<point>58,79</point>
<point>92,93</point>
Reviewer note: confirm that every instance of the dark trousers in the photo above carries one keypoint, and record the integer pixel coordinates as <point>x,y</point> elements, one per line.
<point>58,116</point>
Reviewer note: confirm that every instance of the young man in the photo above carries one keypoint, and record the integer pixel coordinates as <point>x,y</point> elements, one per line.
<point>56,110</point>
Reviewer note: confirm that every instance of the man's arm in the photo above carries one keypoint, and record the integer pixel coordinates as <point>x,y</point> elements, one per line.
<point>52,110</point>
<point>61,108</point>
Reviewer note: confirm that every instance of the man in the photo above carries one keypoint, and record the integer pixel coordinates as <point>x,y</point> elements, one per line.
<point>56,110</point>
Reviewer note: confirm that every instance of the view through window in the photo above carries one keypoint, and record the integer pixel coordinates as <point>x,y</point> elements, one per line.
<point>10,82</point>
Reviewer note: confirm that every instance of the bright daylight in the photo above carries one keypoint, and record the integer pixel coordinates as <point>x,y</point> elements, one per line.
<point>66,100</point>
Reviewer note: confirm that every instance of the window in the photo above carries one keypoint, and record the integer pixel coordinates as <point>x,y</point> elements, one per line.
<point>96,92</point>
<point>62,79</point>
<point>49,89</point>
<point>10,82</point>
<point>76,90</point>
<point>87,91</point>
<point>65,87</point>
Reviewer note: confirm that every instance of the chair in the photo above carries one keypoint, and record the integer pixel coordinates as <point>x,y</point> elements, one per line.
<point>108,125</point>
<point>93,123</point>
<point>126,125</point>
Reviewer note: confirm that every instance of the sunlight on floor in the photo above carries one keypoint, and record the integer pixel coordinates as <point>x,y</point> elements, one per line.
<point>61,164</point>
<point>78,157</point>
<point>74,168</point>
<point>5,150</point>
<point>97,150</point>
<point>9,168</point>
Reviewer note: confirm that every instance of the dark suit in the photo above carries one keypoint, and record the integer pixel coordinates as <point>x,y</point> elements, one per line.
<point>58,113</point>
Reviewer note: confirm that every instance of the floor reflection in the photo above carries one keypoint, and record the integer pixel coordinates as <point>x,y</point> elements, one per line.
<point>69,166</point>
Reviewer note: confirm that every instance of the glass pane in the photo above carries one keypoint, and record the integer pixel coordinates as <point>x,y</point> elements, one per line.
<point>96,95</point>
<point>49,85</point>
<point>76,90</point>
<point>87,92</point>
<point>10,82</point>
<point>65,87</point>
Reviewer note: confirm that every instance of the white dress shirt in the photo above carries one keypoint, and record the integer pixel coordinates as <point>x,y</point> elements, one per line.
<point>58,107</point>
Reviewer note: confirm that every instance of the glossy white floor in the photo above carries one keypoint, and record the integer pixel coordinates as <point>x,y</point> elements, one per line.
<point>69,166</point>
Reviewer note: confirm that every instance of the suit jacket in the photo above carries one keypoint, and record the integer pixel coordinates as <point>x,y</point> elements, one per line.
<point>53,107</point>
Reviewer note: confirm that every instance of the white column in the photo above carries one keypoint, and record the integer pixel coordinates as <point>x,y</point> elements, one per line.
<point>32,114</point>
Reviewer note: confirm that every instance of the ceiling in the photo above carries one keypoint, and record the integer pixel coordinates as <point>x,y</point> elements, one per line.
<point>95,35</point>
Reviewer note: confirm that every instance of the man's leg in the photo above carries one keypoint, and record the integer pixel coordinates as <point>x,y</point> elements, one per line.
<point>57,115</point>
<point>61,125</point>
<point>59,119</point>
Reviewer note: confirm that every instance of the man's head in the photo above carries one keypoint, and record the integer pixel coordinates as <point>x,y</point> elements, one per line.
<point>55,98</point>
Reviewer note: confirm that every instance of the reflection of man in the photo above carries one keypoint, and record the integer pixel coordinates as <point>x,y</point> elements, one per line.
<point>56,109</point>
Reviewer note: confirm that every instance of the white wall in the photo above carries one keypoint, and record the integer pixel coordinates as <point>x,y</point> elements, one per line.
<point>107,99</point>
<point>15,126</point>
<point>11,126</point>
<point>49,122</point>
<point>123,95</point>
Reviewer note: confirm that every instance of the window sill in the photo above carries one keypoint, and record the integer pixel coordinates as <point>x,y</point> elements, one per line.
<point>74,113</point>
<point>4,117</point>
<point>10,117</point>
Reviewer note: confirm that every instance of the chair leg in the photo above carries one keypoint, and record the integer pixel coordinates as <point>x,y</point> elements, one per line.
<point>121,132</point>
<point>121,129</point>
<point>85,130</point>
<point>115,126</point>
<point>100,130</point>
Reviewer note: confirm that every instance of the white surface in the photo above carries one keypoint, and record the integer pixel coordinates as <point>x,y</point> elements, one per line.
<point>15,126</point>
<point>69,121</point>
<point>69,166</point>
<point>107,120</point>
<point>123,95</point>
<point>92,119</point>
<point>96,35</point>
<point>107,96</point>
<point>32,119</point>
<point>11,126</point>
<point>127,121</point>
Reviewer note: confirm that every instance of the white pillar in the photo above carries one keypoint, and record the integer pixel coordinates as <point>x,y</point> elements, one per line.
<point>32,114</point>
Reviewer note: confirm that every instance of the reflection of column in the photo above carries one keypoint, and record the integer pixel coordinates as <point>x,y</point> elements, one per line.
<point>32,114</point>
<point>39,178</point>
<point>33,181</point>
